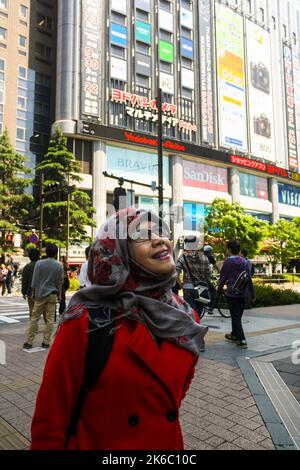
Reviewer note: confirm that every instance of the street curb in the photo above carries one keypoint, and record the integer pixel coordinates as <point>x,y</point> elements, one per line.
<point>280,436</point>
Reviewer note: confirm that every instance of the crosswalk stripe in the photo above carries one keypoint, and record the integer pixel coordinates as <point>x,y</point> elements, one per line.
<point>8,320</point>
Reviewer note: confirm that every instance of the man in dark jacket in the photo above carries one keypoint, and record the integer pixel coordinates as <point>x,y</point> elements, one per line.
<point>233,266</point>
<point>27,274</point>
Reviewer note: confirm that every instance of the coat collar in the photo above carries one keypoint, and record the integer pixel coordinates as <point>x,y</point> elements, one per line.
<point>162,360</point>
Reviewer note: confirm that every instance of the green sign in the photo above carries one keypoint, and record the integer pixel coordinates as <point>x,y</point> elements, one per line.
<point>166,51</point>
<point>143,32</point>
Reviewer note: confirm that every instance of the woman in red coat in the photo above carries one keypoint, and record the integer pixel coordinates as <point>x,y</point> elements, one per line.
<point>156,339</point>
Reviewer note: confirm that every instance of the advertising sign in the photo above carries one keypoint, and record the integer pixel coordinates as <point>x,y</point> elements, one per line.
<point>186,18</point>
<point>187,78</point>
<point>206,72</point>
<point>118,69</point>
<point>90,64</point>
<point>139,166</point>
<point>143,64</point>
<point>289,194</point>
<point>187,48</point>
<point>143,5</point>
<point>231,79</point>
<point>118,34</point>
<point>166,51</point>
<point>290,107</point>
<point>118,5</point>
<point>204,176</point>
<point>166,20</point>
<point>151,204</point>
<point>253,186</point>
<point>260,92</point>
<point>194,216</point>
<point>143,32</point>
<point>166,82</point>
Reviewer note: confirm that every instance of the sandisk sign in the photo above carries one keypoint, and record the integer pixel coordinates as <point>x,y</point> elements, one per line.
<point>143,108</point>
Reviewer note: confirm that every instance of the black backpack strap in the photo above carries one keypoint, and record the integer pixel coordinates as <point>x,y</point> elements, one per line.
<point>100,343</point>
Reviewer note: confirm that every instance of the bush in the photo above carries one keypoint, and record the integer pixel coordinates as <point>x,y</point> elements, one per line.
<point>267,296</point>
<point>74,284</point>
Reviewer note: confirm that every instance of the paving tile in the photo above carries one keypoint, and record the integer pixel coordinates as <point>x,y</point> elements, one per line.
<point>195,443</point>
<point>14,442</point>
<point>246,422</point>
<point>247,445</point>
<point>221,432</point>
<point>247,434</point>
<point>246,413</point>
<point>214,441</point>
<point>228,446</point>
<point>267,444</point>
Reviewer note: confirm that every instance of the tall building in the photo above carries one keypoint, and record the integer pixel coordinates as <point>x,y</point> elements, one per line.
<point>27,73</point>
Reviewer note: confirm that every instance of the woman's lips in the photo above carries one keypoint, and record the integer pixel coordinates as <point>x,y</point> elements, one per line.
<point>162,255</point>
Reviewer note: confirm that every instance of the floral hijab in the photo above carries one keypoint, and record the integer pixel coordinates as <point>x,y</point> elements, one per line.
<point>119,283</point>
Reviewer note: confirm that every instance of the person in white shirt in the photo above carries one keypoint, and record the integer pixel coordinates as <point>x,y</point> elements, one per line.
<point>83,275</point>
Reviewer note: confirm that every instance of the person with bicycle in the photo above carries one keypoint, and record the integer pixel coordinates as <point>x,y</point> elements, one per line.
<point>195,267</point>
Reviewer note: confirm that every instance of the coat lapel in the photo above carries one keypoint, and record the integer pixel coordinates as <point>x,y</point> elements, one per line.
<point>161,361</point>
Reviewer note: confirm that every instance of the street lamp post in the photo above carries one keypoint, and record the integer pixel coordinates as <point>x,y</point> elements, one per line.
<point>68,218</point>
<point>160,152</point>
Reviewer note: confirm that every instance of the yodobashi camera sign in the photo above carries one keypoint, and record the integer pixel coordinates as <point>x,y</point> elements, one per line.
<point>260,92</point>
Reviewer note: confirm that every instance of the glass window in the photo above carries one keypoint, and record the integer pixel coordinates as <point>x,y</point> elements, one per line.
<point>21,102</point>
<point>165,35</point>
<point>3,33</point>
<point>143,48</point>
<point>20,133</point>
<point>165,67</point>
<point>187,63</point>
<point>165,5</point>
<point>142,15</point>
<point>2,65</point>
<point>142,80</point>
<point>3,4</point>
<point>253,186</point>
<point>22,41</point>
<point>117,17</point>
<point>117,51</point>
<point>24,12</point>
<point>43,21</point>
<point>186,33</point>
<point>22,72</point>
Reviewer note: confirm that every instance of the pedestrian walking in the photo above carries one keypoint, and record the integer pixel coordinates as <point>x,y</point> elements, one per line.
<point>195,267</point>
<point>27,274</point>
<point>248,293</point>
<point>150,339</point>
<point>235,273</point>
<point>9,279</point>
<point>65,285</point>
<point>83,275</point>
<point>46,287</point>
<point>3,277</point>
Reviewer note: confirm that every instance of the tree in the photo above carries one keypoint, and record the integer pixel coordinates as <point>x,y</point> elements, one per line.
<point>225,221</point>
<point>14,201</point>
<point>61,173</point>
<point>283,242</point>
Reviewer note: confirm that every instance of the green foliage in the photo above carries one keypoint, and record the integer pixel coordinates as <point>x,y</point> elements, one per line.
<point>61,172</point>
<point>14,201</point>
<point>283,243</point>
<point>226,221</point>
<point>268,296</point>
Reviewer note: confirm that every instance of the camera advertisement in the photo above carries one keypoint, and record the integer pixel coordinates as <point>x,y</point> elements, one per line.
<point>260,93</point>
<point>231,79</point>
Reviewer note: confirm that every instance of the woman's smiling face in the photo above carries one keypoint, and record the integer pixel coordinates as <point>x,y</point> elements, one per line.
<point>151,250</point>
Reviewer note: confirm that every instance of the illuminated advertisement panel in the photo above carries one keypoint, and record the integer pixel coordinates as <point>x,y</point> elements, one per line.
<point>260,93</point>
<point>231,79</point>
<point>204,176</point>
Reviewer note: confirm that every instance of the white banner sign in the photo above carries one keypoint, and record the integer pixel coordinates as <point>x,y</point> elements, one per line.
<point>260,93</point>
<point>118,69</point>
<point>166,83</point>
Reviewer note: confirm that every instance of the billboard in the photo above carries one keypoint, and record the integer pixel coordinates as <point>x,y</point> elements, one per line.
<point>289,194</point>
<point>90,65</point>
<point>166,51</point>
<point>166,20</point>
<point>204,176</point>
<point>187,48</point>
<point>118,34</point>
<point>119,5</point>
<point>253,186</point>
<point>118,69</point>
<point>261,115</point>
<point>187,78</point>
<point>143,32</point>
<point>290,107</point>
<point>206,72</point>
<point>186,18</point>
<point>231,79</point>
<point>143,5</point>
<point>194,216</point>
<point>166,83</point>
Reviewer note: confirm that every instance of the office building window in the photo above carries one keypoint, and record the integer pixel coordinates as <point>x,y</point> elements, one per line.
<point>142,15</point>
<point>22,41</point>
<point>3,4</point>
<point>23,12</point>
<point>21,103</point>
<point>43,50</point>
<point>117,18</point>
<point>43,22</point>
<point>165,5</point>
<point>3,34</point>
<point>187,63</point>
<point>22,72</point>
<point>117,51</point>
<point>143,48</point>
<point>142,80</point>
<point>165,67</point>
<point>186,33</point>
<point>165,35</point>
<point>20,133</point>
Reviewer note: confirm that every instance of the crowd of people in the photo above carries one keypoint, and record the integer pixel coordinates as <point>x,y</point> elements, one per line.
<point>7,275</point>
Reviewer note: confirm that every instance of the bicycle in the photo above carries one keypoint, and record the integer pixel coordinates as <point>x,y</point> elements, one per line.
<point>221,303</point>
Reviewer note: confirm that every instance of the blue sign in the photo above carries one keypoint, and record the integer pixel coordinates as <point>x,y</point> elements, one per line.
<point>289,195</point>
<point>194,216</point>
<point>119,34</point>
<point>187,48</point>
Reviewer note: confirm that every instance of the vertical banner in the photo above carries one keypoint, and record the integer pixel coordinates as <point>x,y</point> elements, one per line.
<point>231,79</point>
<point>206,72</point>
<point>290,107</point>
<point>90,53</point>
<point>261,115</point>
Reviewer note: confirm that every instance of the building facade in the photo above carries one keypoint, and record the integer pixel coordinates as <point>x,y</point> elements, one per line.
<point>27,74</point>
<point>228,71</point>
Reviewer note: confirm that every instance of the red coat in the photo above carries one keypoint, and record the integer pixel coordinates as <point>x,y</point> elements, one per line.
<point>135,403</point>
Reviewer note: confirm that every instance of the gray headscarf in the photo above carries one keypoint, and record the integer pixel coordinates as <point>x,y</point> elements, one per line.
<point>119,283</point>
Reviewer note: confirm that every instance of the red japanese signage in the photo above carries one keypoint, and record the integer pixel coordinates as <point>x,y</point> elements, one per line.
<point>153,142</point>
<point>259,166</point>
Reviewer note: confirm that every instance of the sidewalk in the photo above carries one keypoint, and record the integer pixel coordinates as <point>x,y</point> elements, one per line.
<point>226,407</point>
